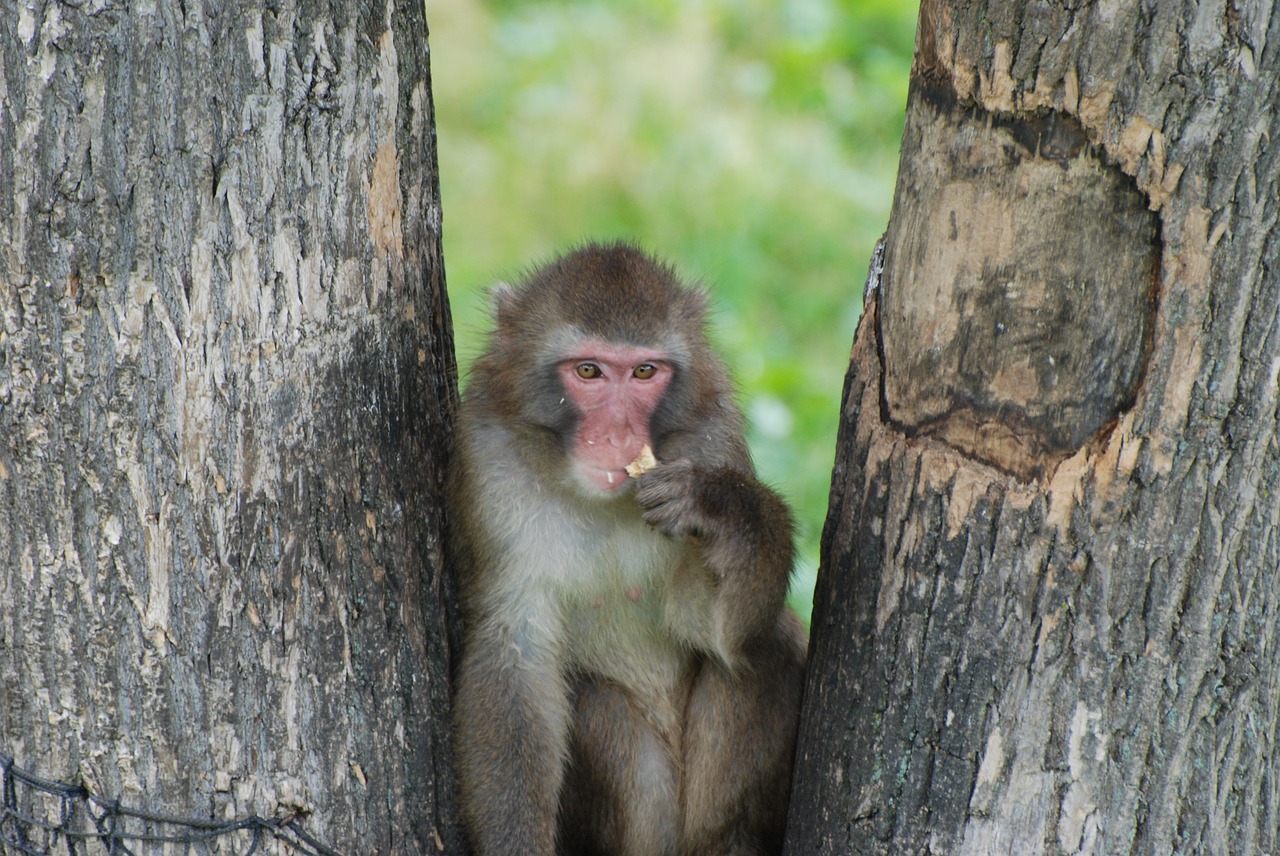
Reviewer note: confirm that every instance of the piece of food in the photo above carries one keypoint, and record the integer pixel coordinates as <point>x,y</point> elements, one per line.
<point>643,463</point>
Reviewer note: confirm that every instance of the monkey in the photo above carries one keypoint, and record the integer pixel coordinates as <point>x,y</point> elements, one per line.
<point>630,675</point>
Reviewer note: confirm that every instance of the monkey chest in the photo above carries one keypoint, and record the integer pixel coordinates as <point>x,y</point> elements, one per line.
<point>615,622</point>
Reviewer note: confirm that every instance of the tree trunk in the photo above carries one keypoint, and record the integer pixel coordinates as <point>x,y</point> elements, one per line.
<point>1046,620</point>
<point>226,387</point>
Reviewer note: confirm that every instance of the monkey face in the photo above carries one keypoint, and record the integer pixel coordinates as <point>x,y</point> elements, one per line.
<point>614,389</point>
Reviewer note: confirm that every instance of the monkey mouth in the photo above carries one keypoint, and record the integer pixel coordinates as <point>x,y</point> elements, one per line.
<point>601,461</point>
<point>604,479</point>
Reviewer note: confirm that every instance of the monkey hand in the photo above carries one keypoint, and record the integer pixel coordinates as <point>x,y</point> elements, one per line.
<point>743,531</point>
<point>668,495</point>
<point>682,499</point>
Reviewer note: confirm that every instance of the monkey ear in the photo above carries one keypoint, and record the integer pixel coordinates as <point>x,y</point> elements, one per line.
<point>503,298</point>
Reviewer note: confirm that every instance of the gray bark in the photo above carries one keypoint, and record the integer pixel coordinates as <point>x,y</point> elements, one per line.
<point>1046,618</point>
<point>226,386</point>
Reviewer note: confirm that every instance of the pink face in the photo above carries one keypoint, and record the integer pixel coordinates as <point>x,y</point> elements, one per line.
<point>615,389</point>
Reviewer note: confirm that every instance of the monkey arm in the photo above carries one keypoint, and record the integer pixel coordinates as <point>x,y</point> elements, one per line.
<point>741,538</point>
<point>511,724</point>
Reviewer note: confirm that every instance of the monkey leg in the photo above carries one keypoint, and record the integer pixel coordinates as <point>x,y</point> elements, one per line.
<point>621,790</point>
<point>739,743</point>
<point>511,726</point>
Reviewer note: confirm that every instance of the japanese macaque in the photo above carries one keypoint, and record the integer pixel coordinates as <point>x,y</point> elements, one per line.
<point>631,678</point>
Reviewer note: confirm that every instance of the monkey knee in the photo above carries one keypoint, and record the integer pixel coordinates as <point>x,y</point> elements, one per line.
<point>614,744</point>
<point>739,747</point>
<point>621,791</point>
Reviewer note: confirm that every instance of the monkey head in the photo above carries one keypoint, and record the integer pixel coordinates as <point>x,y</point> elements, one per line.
<point>599,353</point>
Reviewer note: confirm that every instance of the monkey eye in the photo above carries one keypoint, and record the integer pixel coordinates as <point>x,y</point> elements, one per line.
<point>587,371</point>
<point>644,371</point>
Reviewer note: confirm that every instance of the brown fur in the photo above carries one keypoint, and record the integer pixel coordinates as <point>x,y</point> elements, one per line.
<point>631,678</point>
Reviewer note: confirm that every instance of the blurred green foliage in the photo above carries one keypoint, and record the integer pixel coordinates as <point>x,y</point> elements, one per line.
<point>752,142</point>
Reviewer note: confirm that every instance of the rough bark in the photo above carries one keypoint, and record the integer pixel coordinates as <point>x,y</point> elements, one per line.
<point>226,387</point>
<point>1046,619</point>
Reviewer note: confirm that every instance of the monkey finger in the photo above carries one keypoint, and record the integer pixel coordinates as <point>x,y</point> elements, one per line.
<point>670,518</point>
<point>666,482</point>
<point>666,519</point>
<point>678,518</point>
<point>662,502</point>
<point>678,469</point>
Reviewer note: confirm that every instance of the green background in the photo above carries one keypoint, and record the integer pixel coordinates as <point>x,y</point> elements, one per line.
<point>752,143</point>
